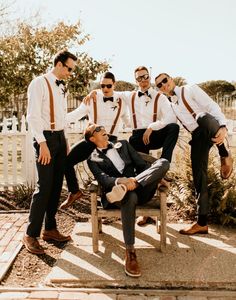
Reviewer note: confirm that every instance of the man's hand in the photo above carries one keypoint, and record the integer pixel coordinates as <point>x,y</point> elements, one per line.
<point>146,136</point>
<point>91,95</point>
<point>220,136</point>
<point>130,183</point>
<point>44,154</point>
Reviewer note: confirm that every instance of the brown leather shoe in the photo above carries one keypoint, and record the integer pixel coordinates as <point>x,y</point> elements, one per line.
<point>71,199</point>
<point>32,245</point>
<point>131,264</point>
<point>195,228</point>
<point>226,166</point>
<point>55,235</point>
<point>142,220</point>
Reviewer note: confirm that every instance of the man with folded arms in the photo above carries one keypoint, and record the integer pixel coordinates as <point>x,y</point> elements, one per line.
<point>109,110</point>
<point>126,180</point>
<point>203,118</point>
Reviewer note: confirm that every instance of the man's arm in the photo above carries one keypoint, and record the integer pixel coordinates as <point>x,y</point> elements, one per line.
<point>78,113</point>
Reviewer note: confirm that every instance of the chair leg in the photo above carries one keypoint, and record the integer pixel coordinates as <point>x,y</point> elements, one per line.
<point>157,225</point>
<point>163,221</point>
<point>94,220</point>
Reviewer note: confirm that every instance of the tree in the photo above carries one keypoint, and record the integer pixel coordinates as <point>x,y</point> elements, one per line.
<point>180,81</point>
<point>217,87</point>
<point>29,52</point>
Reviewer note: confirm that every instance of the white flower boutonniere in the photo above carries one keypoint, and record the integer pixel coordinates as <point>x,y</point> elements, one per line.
<point>147,99</point>
<point>115,104</point>
<point>95,156</point>
<point>118,145</point>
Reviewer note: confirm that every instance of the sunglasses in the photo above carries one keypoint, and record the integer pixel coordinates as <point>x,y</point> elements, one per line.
<point>142,77</point>
<point>159,85</point>
<point>97,129</point>
<point>109,86</point>
<point>68,68</point>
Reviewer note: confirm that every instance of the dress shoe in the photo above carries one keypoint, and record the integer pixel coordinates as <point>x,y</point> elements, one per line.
<point>226,166</point>
<point>142,220</point>
<point>32,245</point>
<point>131,264</point>
<point>71,199</point>
<point>55,235</point>
<point>117,193</point>
<point>195,228</point>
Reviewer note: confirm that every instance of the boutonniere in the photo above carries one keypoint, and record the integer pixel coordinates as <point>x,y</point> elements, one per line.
<point>117,145</point>
<point>147,99</point>
<point>174,99</point>
<point>95,156</point>
<point>115,104</point>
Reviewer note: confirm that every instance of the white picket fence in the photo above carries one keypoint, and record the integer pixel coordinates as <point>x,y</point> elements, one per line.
<point>17,160</point>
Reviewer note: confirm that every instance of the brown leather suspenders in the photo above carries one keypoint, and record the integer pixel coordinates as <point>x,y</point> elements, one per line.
<point>52,119</point>
<point>154,108</point>
<point>116,118</point>
<point>186,104</point>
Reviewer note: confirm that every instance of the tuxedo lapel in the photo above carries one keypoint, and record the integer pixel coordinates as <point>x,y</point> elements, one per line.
<point>107,164</point>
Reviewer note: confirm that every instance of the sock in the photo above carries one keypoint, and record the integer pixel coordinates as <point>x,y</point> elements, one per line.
<point>202,220</point>
<point>222,150</point>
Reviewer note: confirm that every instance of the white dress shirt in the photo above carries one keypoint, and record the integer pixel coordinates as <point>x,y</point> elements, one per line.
<point>200,103</point>
<point>38,110</point>
<point>106,112</point>
<point>144,108</point>
<point>115,158</point>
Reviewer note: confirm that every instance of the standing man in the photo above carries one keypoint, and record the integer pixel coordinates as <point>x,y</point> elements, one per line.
<point>201,116</point>
<point>109,110</point>
<point>126,180</point>
<point>47,107</point>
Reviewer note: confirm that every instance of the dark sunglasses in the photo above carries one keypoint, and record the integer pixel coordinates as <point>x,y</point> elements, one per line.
<point>143,77</point>
<point>106,85</point>
<point>159,85</point>
<point>97,129</point>
<point>68,68</point>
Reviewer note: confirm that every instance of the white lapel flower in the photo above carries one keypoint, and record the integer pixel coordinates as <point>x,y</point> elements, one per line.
<point>95,156</point>
<point>115,105</point>
<point>117,145</point>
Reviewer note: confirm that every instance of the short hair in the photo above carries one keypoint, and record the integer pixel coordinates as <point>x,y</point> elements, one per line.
<point>62,56</point>
<point>161,75</point>
<point>87,131</point>
<point>140,68</point>
<point>108,75</point>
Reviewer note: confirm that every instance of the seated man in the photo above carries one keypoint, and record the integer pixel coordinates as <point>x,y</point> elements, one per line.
<point>126,180</point>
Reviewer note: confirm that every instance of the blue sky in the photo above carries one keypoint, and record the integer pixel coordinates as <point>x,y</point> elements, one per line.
<point>194,39</point>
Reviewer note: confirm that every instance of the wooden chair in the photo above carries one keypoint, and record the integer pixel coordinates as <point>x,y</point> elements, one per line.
<point>151,209</point>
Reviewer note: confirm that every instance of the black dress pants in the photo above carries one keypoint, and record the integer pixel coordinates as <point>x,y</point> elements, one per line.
<point>165,138</point>
<point>200,147</point>
<point>48,189</point>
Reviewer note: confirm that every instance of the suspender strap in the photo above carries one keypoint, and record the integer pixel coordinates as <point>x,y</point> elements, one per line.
<point>133,110</point>
<point>52,119</point>
<point>155,108</point>
<point>95,114</point>
<point>186,104</point>
<point>117,116</point>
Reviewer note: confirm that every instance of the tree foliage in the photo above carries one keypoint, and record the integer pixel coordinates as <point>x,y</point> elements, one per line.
<point>29,52</point>
<point>180,81</point>
<point>217,87</point>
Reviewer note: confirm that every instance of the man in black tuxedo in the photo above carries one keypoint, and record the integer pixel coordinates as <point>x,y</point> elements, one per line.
<point>126,180</point>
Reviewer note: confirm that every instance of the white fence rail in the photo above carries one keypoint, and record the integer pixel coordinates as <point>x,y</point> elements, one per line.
<point>17,162</point>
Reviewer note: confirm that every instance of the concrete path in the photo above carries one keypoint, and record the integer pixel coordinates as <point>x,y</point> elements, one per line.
<point>206,261</point>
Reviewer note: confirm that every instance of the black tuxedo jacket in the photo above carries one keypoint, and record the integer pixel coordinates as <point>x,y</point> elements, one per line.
<point>106,173</point>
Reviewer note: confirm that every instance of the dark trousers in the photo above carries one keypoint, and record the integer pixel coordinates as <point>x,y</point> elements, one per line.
<point>148,181</point>
<point>48,189</point>
<point>200,147</point>
<point>165,138</point>
<point>79,152</point>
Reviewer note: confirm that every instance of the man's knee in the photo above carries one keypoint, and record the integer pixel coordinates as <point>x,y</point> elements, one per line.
<point>173,127</point>
<point>163,165</point>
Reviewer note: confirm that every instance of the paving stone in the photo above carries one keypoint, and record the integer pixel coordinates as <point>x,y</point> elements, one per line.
<point>132,297</point>
<point>8,236</point>
<point>49,295</point>
<point>73,296</point>
<point>168,298</point>
<point>14,295</point>
<point>101,296</point>
<point>191,298</point>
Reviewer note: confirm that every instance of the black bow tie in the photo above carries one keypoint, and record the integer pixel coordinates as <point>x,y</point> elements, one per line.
<point>110,146</point>
<point>140,94</point>
<point>105,99</point>
<point>58,82</point>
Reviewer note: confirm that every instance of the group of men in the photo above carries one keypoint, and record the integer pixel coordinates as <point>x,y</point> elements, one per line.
<point>125,178</point>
